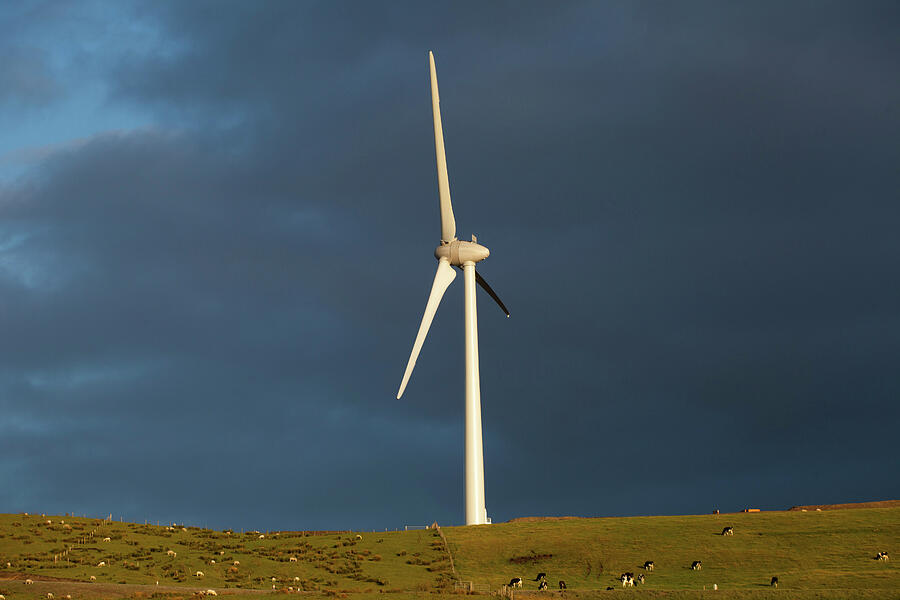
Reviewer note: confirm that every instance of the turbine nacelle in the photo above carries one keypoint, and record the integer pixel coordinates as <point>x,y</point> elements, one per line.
<point>460,252</point>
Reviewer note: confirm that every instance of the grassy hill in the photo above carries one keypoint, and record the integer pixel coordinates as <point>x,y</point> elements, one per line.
<point>826,554</point>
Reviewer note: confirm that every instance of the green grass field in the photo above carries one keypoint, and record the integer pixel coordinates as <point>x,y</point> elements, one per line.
<point>828,554</point>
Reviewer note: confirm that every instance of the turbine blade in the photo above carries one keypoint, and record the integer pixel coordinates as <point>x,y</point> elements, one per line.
<point>448,223</point>
<point>442,280</point>
<point>487,288</point>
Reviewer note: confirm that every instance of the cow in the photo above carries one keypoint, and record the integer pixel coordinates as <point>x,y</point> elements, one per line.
<point>648,565</point>
<point>774,582</point>
<point>882,556</point>
<point>728,531</point>
<point>696,565</point>
<point>515,582</point>
<point>627,579</point>
<point>543,586</point>
<point>640,579</point>
<point>540,576</point>
<point>562,585</point>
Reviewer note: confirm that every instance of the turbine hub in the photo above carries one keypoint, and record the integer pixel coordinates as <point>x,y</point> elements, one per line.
<point>460,252</point>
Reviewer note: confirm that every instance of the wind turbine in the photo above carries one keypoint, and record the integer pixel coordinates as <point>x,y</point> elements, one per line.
<point>461,254</point>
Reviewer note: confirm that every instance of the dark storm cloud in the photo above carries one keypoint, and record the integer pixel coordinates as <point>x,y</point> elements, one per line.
<point>691,212</point>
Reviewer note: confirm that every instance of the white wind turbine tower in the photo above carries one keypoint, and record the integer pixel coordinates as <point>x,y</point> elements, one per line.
<point>456,253</point>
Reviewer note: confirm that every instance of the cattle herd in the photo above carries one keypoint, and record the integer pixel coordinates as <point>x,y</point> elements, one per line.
<point>629,579</point>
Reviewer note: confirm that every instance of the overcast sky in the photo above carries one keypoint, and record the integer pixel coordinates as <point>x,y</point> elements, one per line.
<point>217,225</point>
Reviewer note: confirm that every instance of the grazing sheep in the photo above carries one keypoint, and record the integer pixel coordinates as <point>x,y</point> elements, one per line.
<point>102,563</point>
<point>648,565</point>
<point>237,563</point>
<point>2,597</point>
<point>515,582</point>
<point>221,553</point>
<point>93,578</point>
<point>696,565</point>
<point>212,561</point>
<point>107,539</point>
<point>359,537</point>
<point>28,582</point>
<point>296,579</point>
<point>50,595</point>
<point>728,531</point>
<point>198,574</point>
<point>211,593</point>
<point>293,559</point>
<point>774,582</point>
<point>172,553</point>
<point>274,579</point>
<point>562,584</point>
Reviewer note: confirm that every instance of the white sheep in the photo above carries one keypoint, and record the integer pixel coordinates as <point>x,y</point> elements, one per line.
<point>93,578</point>
<point>211,593</point>
<point>172,553</point>
<point>261,536</point>
<point>102,563</point>
<point>107,539</point>
<point>50,595</point>
<point>359,537</point>
<point>296,579</point>
<point>237,563</point>
<point>293,559</point>
<point>28,582</point>
<point>198,574</point>
<point>212,561</point>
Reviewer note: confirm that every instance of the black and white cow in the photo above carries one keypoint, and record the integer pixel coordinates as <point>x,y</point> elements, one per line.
<point>728,531</point>
<point>774,582</point>
<point>543,586</point>
<point>640,579</point>
<point>648,565</point>
<point>627,579</point>
<point>540,577</point>
<point>696,565</point>
<point>515,582</point>
<point>882,556</point>
<point>562,584</point>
